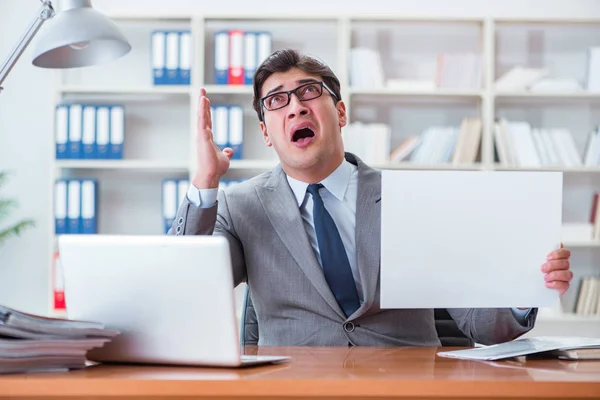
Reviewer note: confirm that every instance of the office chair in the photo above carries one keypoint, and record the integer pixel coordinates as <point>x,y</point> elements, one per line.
<point>447,330</point>
<point>249,322</point>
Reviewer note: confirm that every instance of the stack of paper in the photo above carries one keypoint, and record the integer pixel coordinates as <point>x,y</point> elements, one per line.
<point>30,343</point>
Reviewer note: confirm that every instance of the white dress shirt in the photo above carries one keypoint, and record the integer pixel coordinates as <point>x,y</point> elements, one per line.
<point>339,197</point>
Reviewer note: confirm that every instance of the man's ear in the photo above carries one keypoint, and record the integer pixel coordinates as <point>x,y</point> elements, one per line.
<point>342,116</point>
<point>266,138</point>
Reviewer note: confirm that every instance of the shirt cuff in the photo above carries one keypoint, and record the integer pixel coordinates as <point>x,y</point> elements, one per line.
<point>203,198</point>
<point>521,315</point>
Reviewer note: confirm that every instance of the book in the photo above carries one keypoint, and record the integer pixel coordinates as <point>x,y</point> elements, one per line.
<point>544,346</point>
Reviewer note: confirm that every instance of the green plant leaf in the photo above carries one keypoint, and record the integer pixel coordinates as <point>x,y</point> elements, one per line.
<point>14,230</point>
<point>6,206</point>
<point>3,177</point>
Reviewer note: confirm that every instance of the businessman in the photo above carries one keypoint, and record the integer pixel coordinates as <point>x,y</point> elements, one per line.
<point>306,235</point>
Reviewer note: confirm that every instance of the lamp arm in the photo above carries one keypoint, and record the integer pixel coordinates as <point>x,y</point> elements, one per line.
<point>46,12</point>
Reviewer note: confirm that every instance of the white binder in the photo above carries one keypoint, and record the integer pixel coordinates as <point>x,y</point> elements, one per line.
<point>75,128</point>
<point>264,46</point>
<point>220,126</point>
<point>60,207</point>
<point>158,57</point>
<point>73,206</point>
<point>172,60</point>
<point>221,57</point>
<point>185,57</point>
<point>88,207</point>
<point>88,137</point>
<point>102,131</point>
<point>61,131</point>
<point>236,131</point>
<point>117,132</point>
<point>250,56</point>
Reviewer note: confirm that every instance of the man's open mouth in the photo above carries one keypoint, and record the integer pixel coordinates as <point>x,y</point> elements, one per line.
<point>302,134</point>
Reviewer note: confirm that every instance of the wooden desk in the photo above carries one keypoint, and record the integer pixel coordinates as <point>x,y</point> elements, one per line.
<point>319,372</point>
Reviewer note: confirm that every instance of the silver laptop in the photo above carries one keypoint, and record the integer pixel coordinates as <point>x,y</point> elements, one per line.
<point>171,297</point>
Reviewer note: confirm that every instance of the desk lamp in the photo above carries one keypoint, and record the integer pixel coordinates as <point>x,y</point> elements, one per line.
<point>79,36</point>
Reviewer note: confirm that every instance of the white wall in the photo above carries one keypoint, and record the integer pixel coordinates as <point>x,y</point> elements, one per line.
<point>455,8</point>
<point>26,105</point>
<point>25,150</point>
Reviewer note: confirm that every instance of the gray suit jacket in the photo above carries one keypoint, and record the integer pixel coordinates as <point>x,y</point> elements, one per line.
<point>294,305</point>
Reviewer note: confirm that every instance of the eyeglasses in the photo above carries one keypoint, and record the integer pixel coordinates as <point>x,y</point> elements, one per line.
<point>306,92</point>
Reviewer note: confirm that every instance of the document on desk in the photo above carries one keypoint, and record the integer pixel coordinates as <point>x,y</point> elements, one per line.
<point>468,239</point>
<point>553,346</point>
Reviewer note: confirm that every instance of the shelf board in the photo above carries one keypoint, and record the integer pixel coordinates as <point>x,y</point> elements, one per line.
<point>252,164</point>
<point>166,89</point>
<point>427,93</point>
<point>228,89</point>
<point>140,15</point>
<point>549,95</point>
<point>416,166</point>
<point>546,21</point>
<point>580,169</point>
<point>414,18</point>
<point>270,17</point>
<point>123,165</point>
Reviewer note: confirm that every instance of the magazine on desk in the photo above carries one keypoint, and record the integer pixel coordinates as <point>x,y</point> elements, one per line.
<point>31,343</point>
<point>563,347</point>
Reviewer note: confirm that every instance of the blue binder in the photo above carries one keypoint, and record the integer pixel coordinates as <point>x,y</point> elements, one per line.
<point>102,131</point>
<point>158,55</point>
<point>235,136</point>
<point>250,56</point>
<point>263,46</point>
<point>88,206</point>
<point>75,131</point>
<point>220,123</point>
<point>172,58</point>
<point>60,206</point>
<point>117,132</point>
<point>185,57</point>
<point>88,137</point>
<point>61,131</point>
<point>74,206</point>
<point>221,67</point>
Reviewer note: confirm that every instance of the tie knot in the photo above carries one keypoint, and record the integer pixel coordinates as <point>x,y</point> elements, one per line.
<point>313,189</point>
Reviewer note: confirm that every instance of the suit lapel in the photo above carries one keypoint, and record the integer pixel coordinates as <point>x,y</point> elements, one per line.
<point>280,205</point>
<point>368,230</point>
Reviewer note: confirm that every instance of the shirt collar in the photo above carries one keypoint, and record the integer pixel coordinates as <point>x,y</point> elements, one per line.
<point>337,183</point>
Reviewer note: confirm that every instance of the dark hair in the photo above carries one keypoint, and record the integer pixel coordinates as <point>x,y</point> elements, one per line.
<point>283,61</point>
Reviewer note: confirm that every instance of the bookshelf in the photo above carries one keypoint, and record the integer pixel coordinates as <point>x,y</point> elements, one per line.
<point>160,122</point>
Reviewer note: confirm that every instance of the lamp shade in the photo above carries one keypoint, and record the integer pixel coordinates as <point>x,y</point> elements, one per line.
<point>79,36</point>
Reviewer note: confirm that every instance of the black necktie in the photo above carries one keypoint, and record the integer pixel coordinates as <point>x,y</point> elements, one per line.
<point>334,259</point>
